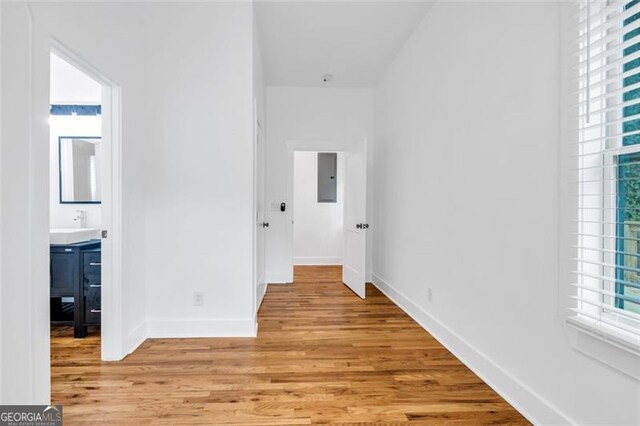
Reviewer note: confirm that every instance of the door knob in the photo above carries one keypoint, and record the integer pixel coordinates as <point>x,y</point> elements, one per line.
<point>265,224</point>
<point>359,226</point>
<point>365,226</point>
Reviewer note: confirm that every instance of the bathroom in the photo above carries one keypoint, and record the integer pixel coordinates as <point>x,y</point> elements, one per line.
<point>75,211</point>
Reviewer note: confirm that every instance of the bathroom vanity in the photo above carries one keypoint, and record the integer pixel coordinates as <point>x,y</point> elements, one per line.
<point>75,265</point>
<point>75,271</point>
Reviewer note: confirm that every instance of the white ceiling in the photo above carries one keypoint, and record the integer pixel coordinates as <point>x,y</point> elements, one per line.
<point>301,41</point>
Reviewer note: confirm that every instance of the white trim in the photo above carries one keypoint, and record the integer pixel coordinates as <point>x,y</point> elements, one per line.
<point>136,338</point>
<point>32,287</point>
<point>602,346</point>
<point>279,278</point>
<point>38,240</point>
<point>1,150</point>
<point>314,145</point>
<point>311,260</point>
<point>201,328</point>
<point>262,290</point>
<point>530,404</point>
<point>112,322</point>
<point>254,211</point>
<point>113,341</point>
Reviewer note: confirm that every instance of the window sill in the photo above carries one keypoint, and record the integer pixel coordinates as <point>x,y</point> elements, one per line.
<point>603,344</point>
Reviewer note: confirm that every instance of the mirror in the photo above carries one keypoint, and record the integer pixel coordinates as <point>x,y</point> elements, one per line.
<point>79,160</point>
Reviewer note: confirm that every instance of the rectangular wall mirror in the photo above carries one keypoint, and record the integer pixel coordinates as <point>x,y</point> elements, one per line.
<point>79,162</point>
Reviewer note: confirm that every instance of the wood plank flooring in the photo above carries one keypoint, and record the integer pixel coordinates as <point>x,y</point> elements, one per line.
<point>322,355</point>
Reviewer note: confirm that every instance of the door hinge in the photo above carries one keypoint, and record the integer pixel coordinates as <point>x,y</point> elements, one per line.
<point>104,233</point>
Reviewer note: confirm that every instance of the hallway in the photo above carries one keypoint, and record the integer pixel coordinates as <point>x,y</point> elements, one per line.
<point>322,355</point>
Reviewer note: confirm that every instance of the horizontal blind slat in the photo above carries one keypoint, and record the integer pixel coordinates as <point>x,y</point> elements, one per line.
<point>614,34</point>
<point>609,66</point>
<point>613,280</point>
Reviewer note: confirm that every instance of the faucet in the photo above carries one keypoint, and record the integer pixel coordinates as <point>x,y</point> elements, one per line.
<point>81,217</point>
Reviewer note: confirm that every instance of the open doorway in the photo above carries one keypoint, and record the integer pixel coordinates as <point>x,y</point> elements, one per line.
<point>84,205</point>
<point>318,195</point>
<point>327,191</point>
<point>75,197</point>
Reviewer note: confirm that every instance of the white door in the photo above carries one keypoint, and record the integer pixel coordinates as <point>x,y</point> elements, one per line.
<point>261,223</point>
<point>355,214</point>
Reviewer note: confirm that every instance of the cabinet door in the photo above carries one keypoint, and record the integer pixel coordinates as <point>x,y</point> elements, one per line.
<point>64,274</point>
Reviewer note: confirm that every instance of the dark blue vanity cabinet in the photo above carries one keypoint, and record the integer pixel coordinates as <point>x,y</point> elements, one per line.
<point>75,271</point>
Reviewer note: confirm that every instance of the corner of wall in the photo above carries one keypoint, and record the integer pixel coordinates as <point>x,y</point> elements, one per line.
<point>262,290</point>
<point>135,338</point>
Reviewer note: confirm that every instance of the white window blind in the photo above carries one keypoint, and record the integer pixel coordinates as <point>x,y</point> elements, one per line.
<point>605,296</point>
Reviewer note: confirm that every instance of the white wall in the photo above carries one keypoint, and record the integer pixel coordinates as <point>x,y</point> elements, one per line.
<point>24,239</point>
<point>199,167</point>
<point>317,115</point>
<point>318,229</point>
<point>466,203</point>
<point>187,170</point>
<point>110,38</point>
<point>187,156</point>
<point>61,215</point>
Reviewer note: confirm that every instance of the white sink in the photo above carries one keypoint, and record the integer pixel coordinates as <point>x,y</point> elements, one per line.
<point>72,235</point>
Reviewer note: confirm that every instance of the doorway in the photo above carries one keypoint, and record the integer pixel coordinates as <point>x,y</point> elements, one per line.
<point>318,195</point>
<point>75,187</point>
<point>327,195</point>
<point>85,203</point>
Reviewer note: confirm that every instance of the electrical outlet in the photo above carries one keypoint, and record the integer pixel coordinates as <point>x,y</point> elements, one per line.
<point>198,298</point>
<point>430,294</point>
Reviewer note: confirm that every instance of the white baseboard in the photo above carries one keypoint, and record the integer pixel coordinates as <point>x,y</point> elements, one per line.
<point>279,278</point>
<point>530,404</point>
<point>135,338</point>
<point>201,328</point>
<point>262,290</point>
<point>304,260</point>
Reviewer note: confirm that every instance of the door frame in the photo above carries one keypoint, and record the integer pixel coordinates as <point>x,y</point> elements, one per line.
<point>313,145</point>
<point>259,196</point>
<point>112,339</point>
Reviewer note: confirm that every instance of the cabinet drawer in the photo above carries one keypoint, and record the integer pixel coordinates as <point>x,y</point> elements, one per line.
<point>91,263</point>
<point>92,305</point>
<point>92,316</point>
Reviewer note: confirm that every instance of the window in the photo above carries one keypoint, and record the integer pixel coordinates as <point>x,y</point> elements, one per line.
<point>607,286</point>
<point>327,178</point>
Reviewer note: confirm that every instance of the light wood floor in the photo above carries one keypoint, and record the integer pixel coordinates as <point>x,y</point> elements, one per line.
<point>322,355</point>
